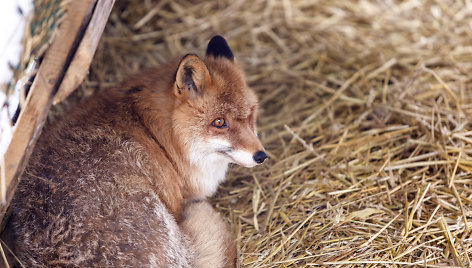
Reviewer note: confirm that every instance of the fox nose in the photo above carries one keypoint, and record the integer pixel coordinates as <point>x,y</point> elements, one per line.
<point>259,157</point>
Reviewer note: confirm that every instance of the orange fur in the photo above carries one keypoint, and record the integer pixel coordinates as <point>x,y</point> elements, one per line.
<point>107,185</point>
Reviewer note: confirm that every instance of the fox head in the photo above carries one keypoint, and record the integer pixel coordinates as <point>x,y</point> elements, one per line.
<point>215,115</point>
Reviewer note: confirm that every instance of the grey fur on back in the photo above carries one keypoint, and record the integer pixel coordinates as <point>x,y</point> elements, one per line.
<point>86,200</point>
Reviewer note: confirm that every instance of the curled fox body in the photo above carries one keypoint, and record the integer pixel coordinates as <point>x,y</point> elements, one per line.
<point>122,180</point>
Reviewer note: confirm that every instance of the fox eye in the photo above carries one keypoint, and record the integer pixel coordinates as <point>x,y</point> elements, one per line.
<point>219,123</point>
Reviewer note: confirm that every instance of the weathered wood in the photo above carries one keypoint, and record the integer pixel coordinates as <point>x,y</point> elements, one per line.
<point>48,80</point>
<point>80,64</point>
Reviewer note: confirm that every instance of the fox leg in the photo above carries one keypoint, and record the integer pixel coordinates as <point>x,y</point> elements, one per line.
<point>213,243</point>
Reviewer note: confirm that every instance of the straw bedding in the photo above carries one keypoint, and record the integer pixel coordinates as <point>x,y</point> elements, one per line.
<point>365,111</point>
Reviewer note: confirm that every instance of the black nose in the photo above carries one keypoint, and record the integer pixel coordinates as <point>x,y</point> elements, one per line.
<point>259,157</point>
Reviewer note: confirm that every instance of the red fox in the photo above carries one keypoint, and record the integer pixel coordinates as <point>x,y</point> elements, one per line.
<point>122,180</point>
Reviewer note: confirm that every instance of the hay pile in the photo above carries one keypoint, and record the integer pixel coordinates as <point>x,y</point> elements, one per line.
<point>366,111</point>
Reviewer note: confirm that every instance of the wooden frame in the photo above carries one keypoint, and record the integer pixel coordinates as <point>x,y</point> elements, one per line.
<point>63,68</point>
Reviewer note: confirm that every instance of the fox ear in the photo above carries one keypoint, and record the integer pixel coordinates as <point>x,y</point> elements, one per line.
<point>219,48</point>
<point>191,78</point>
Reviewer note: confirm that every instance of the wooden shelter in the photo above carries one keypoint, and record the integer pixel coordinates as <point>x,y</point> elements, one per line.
<point>68,51</point>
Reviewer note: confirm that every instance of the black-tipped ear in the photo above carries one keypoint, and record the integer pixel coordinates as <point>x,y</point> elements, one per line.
<point>217,47</point>
<point>191,78</point>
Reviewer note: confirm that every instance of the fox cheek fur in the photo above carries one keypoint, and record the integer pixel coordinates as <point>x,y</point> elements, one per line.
<point>122,179</point>
<point>214,90</point>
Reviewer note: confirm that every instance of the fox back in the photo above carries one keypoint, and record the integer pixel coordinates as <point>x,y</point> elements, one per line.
<point>114,181</point>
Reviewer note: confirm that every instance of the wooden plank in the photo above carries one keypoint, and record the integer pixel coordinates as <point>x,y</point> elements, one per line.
<point>80,64</point>
<point>40,97</point>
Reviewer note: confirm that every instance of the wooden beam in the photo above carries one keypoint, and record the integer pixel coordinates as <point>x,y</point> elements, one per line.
<point>80,64</point>
<point>48,80</point>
